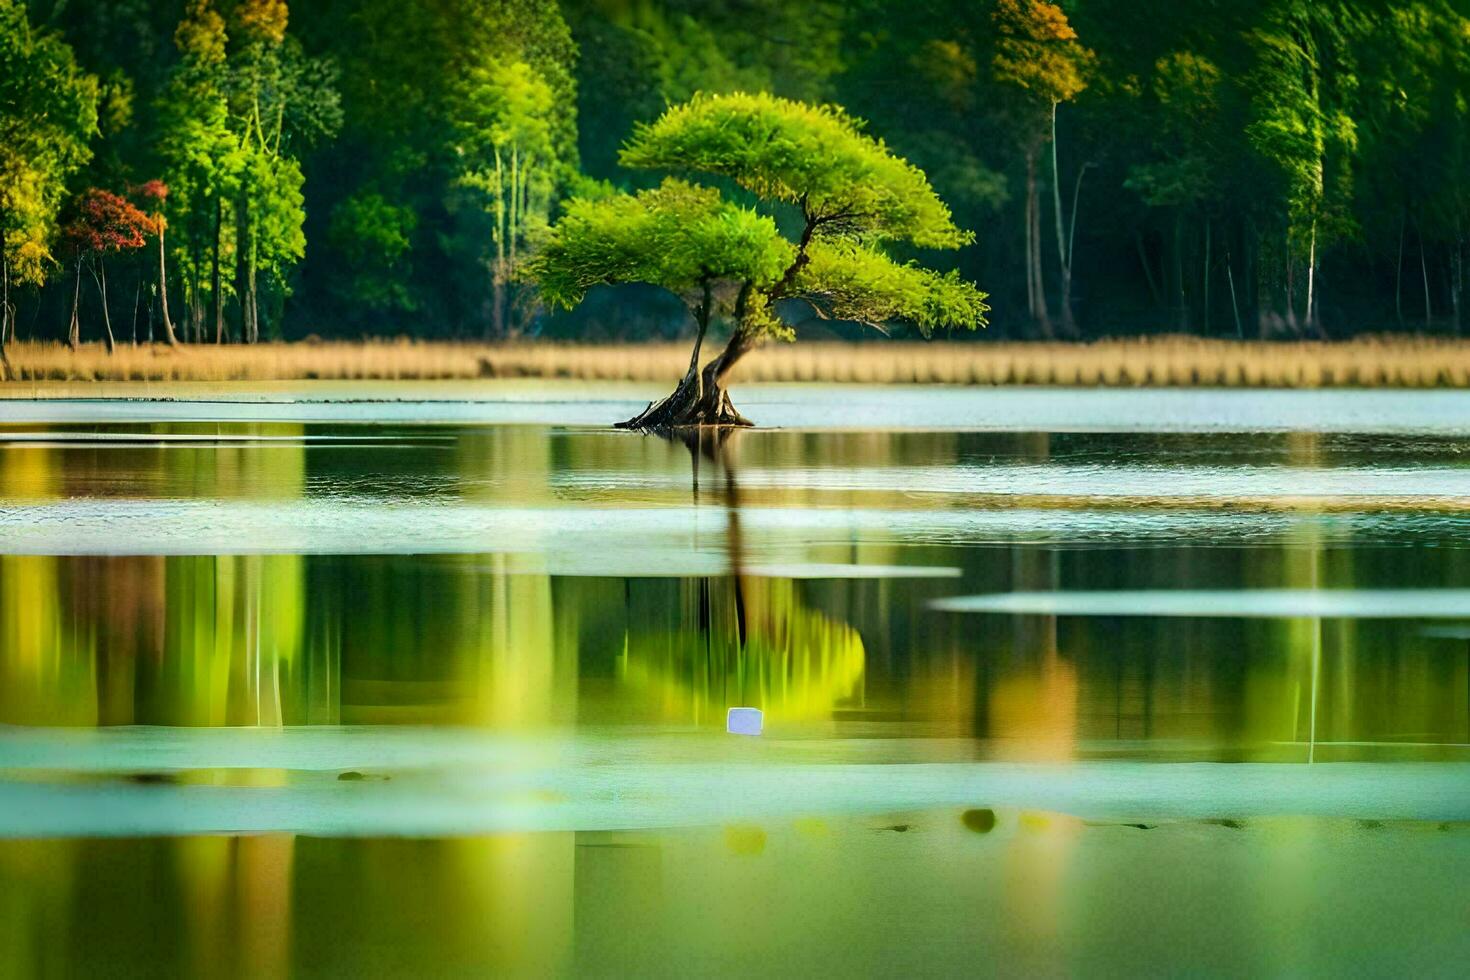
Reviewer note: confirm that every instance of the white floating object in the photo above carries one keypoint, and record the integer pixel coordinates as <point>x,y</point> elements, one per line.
<point>743,721</point>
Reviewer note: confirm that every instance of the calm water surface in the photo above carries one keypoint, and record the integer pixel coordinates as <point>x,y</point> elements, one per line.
<point>438,687</point>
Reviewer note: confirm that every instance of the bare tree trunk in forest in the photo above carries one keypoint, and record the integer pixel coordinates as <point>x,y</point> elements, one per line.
<point>196,300</point>
<point>74,332</point>
<point>515,222</point>
<point>1424,272</point>
<point>219,295</point>
<point>1035,282</point>
<point>1234,306</point>
<point>168,325</point>
<point>1043,314</point>
<point>1030,279</point>
<point>1148,269</point>
<point>137,294</point>
<point>101,280</point>
<point>497,276</point>
<point>245,272</point>
<point>1066,243</point>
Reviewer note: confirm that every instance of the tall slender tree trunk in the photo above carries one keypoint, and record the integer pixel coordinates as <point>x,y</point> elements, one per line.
<point>74,333</point>
<point>245,271</point>
<point>497,276</point>
<point>1234,306</point>
<point>219,294</point>
<point>168,325</point>
<point>1148,270</point>
<point>99,272</point>
<point>513,233</point>
<point>1424,273</point>
<point>137,295</point>
<point>196,299</point>
<point>1039,311</point>
<point>1065,240</point>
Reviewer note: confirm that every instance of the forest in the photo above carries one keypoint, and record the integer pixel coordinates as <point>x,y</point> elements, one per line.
<point>226,171</point>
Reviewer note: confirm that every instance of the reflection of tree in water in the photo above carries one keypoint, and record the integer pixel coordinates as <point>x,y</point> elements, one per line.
<point>741,639</point>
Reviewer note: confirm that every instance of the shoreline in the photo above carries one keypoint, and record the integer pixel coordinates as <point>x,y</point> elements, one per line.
<point>1171,361</point>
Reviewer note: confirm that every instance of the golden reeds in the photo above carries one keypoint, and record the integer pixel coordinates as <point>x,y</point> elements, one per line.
<point>1176,361</point>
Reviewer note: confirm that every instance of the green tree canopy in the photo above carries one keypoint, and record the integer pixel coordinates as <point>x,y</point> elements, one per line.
<point>678,236</point>
<point>48,115</point>
<point>853,196</point>
<point>815,157</point>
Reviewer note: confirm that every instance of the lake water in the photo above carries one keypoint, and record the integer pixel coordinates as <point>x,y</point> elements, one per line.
<point>434,682</point>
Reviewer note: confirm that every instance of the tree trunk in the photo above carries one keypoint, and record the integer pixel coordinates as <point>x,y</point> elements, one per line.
<point>74,332</point>
<point>497,274</point>
<point>219,296</point>
<point>1424,272</point>
<point>1148,269</point>
<point>701,398</point>
<point>1064,240</point>
<point>101,277</point>
<point>1033,198</point>
<point>168,326</point>
<point>196,301</point>
<point>137,294</point>
<point>673,410</point>
<point>1234,306</point>
<point>242,272</point>
<point>513,233</point>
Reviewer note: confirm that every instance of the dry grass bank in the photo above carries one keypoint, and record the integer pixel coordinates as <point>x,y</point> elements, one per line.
<point>1408,362</point>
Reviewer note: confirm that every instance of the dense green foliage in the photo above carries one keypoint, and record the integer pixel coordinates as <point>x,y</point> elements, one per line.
<point>852,194</point>
<point>677,236</point>
<point>1260,167</point>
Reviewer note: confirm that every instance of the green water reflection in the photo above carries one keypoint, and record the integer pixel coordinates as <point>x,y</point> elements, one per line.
<point>529,581</point>
<point>485,639</point>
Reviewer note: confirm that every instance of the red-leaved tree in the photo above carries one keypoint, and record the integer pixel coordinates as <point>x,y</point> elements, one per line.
<point>102,223</point>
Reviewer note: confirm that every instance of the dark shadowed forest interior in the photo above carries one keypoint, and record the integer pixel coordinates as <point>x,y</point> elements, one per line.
<point>1276,168</point>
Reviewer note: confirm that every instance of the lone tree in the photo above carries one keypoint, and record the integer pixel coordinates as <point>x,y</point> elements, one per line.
<point>853,197</point>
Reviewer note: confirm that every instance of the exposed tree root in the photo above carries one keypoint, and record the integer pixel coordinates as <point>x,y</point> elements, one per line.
<point>700,398</point>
